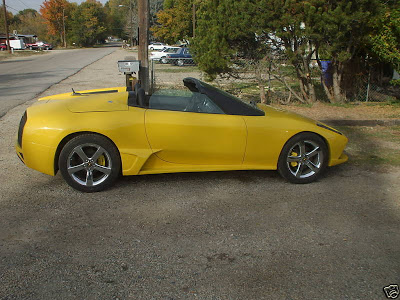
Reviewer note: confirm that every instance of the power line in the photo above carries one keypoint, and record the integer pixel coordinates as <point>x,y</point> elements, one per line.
<point>23,3</point>
<point>12,8</point>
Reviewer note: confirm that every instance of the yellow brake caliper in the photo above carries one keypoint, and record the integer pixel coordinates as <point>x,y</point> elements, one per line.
<point>293,163</point>
<point>101,161</point>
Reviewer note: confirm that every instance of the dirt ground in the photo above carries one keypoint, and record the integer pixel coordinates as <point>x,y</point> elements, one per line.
<point>209,236</point>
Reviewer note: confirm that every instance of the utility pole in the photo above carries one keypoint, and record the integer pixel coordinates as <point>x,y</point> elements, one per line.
<point>65,40</point>
<point>6,26</point>
<point>143,52</point>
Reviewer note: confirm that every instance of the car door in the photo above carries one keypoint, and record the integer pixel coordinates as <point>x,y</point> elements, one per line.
<point>193,137</point>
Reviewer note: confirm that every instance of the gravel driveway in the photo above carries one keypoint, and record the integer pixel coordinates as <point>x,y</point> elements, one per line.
<point>214,235</point>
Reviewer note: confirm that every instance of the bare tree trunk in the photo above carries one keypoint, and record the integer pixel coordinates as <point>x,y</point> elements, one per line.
<point>297,96</point>
<point>328,92</point>
<point>261,85</point>
<point>303,90</point>
<point>262,94</point>
<point>337,80</point>
<point>311,92</point>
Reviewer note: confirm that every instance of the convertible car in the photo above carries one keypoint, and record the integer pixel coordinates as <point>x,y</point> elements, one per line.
<point>94,136</point>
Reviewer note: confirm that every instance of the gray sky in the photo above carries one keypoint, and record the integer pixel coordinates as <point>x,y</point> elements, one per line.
<point>14,6</point>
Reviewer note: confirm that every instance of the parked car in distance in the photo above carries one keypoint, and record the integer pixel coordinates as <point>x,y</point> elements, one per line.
<point>3,47</point>
<point>94,136</point>
<point>161,56</point>
<point>157,46</point>
<point>39,46</point>
<point>181,57</point>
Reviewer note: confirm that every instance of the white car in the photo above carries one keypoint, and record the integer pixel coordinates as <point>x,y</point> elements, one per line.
<point>161,56</point>
<point>157,46</point>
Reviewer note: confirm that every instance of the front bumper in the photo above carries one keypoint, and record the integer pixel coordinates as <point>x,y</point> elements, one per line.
<point>37,157</point>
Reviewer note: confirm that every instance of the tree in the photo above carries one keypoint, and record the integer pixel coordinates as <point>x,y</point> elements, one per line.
<point>118,17</point>
<point>341,36</point>
<point>54,13</point>
<point>174,22</point>
<point>29,21</point>
<point>88,23</point>
<point>10,19</point>
<point>299,31</point>
<point>385,38</point>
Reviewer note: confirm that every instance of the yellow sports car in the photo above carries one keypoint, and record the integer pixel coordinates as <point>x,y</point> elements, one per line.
<point>94,136</point>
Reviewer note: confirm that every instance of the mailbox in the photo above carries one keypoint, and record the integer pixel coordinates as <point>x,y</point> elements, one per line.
<point>129,66</point>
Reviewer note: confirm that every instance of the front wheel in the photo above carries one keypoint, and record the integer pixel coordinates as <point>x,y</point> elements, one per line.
<point>90,163</point>
<point>180,63</point>
<point>303,158</point>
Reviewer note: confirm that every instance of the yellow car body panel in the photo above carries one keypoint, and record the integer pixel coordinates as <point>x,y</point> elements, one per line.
<point>197,138</point>
<point>48,124</point>
<point>162,141</point>
<point>268,134</point>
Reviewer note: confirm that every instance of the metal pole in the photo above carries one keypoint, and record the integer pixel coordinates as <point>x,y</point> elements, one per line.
<point>143,52</point>
<point>368,86</point>
<point>6,27</point>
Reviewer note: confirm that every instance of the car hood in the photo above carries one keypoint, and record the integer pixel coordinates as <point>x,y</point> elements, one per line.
<point>104,100</point>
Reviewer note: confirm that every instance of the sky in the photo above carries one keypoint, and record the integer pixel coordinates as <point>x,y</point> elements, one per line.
<point>14,6</point>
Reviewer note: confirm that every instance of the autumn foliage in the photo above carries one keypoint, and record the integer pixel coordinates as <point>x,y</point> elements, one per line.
<point>53,11</point>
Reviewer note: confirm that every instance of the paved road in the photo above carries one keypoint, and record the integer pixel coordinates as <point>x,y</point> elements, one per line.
<point>22,79</point>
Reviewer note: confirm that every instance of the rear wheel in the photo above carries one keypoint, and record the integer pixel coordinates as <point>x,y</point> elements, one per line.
<point>303,158</point>
<point>90,163</point>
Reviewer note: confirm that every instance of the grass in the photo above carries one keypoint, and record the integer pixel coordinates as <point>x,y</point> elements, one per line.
<point>373,146</point>
<point>395,103</point>
<point>5,55</point>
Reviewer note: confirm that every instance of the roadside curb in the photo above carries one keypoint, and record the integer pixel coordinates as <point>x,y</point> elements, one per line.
<point>392,122</point>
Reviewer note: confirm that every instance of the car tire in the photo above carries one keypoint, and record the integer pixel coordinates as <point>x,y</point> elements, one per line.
<point>180,63</point>
<point>304,158</point>
<point>90,163</point>
<point>151,48</point>
<point>163,60</point>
